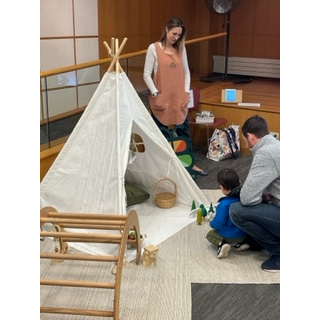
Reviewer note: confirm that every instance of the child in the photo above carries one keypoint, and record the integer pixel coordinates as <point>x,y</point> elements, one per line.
<point>224,232</point>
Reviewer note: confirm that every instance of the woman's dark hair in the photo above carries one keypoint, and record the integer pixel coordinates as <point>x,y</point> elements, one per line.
<point>228,178</point>
<point>173,23</point>
<point>256,125</point>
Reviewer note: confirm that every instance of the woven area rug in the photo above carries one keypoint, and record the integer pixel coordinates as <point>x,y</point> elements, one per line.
<point>163,291</point>
<point>235,301</point>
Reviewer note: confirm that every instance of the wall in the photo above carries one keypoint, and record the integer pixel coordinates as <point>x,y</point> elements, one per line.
<point>254,27</point>
<point>73,31</point>
<point>68,36</point>
<point>254,30</point>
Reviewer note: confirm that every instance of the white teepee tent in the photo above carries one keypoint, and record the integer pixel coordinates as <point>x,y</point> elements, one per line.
<point>89,173</point>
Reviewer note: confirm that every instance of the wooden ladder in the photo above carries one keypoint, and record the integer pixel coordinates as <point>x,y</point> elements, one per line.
<point>123,223</point>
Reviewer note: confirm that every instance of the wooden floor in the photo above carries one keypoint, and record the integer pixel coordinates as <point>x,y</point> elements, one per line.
<point>259,90</point>
<point>265,91</point>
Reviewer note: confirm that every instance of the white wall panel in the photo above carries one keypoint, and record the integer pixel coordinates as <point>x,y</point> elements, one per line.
<point>59,80</point>
<point>56,53</point>
<point>60,101</point>
<point>85,94</point>
<point>56,18</point>
<point>87,49</point>
<point>86,17</point>
<point>62,22</point>
<point>88,75</point>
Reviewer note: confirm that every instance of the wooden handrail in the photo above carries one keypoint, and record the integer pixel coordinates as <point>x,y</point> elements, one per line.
<point>93,63</point>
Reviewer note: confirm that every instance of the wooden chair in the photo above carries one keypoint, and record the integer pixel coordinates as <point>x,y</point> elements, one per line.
<point>192,118</point>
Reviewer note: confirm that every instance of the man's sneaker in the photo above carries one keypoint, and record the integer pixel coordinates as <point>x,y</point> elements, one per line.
<point>223,249</point>
<point>241,246</point>
<point>272,264</point>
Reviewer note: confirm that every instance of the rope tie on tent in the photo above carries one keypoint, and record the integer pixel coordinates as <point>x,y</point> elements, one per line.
<point>112,55</point>
<point>134,148</point>
<point>114,52</point>
<point>109,52</point>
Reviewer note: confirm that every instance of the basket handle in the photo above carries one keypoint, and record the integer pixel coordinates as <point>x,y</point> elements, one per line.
<point>163,179</point>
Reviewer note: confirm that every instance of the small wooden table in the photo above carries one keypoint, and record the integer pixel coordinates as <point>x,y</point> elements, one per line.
<point>217,122</point>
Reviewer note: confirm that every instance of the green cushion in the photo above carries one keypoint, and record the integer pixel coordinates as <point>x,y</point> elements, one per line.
<point>135,194</point>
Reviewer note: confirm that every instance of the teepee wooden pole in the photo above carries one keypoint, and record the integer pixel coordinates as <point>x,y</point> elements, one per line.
<point>112,46</point>
<point>117,48</point>
<point>108,48</point>
<point>116,54</point>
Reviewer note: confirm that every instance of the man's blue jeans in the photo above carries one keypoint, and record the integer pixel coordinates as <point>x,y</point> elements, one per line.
<point>261,222</point>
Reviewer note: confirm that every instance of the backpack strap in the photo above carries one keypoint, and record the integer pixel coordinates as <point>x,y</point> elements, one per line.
<point>231,137</point>
<point>234,138</point>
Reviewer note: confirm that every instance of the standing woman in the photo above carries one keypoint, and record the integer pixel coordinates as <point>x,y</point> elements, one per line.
<point>167,76</point>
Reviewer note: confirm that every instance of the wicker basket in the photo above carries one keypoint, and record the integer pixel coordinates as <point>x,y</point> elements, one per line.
<point>166,199</point>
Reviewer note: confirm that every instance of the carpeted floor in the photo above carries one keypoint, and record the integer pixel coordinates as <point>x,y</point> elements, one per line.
<point>234,301</point>
<point>162,292</point>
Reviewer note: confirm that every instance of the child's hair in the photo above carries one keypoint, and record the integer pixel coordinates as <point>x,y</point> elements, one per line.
<point>228,178</point>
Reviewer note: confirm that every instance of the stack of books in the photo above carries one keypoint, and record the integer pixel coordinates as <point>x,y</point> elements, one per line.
<point>205,117</point>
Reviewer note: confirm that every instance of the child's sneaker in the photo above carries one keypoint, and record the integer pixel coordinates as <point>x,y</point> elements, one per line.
<point>241,246</point>
<point>223,249</point>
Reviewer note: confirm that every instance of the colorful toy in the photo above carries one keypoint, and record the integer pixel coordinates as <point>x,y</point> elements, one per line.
<point>193,206</point>
<point>199,216</point>
<point>204,211</point>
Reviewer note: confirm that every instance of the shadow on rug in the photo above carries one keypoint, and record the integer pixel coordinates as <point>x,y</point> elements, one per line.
<point>235,301</point>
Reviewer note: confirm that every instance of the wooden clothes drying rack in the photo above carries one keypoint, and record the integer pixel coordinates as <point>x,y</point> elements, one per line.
<point>123,223</point>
